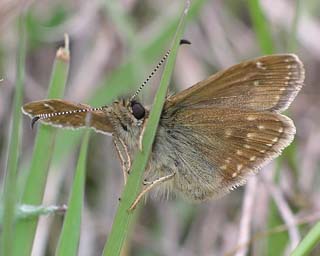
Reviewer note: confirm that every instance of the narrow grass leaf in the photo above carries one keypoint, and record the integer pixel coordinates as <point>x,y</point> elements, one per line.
<point>10,192</point>
<point>70,234</point>
<point>308,242</point>
<point>43,148</point>
<point>123,218</point>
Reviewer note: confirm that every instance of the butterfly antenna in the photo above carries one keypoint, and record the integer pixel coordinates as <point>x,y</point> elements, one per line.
<point>62,113</point>
<point>182,41</point>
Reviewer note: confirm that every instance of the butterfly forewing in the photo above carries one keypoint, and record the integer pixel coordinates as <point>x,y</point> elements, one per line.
<point>266,83</point>
<point>67,115</point>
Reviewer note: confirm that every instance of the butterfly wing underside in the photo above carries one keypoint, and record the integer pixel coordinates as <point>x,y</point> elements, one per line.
<point>230,125</point>
<point>64,114</point>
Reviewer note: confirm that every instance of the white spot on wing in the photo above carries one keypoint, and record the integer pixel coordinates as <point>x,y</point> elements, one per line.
<point>260,65</point>
<point>239,152</point>
<point>251,118</point>
<point>223,167</point>
<point>252,158</point>
<point>228,133</point>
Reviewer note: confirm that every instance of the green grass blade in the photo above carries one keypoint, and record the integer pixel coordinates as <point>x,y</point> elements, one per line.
<point>123,218</point>
<point>70,234</point>
<point>261,28</point>
<point>44,144</point>
<point>10,192</point>
<point>308,242</point>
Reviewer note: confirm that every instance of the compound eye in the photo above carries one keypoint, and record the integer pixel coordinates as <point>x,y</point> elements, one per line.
<point>138,110</point>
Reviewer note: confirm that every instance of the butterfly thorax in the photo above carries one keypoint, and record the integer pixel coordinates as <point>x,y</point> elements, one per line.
<point>127,135</point>
<point>125,125</point>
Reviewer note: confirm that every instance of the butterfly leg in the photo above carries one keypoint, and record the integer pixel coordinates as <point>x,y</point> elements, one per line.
<point>124,157</point>
<point>141,136</point>
<point>122,160</point>
<point>127,155</point>
<point>149,186</point>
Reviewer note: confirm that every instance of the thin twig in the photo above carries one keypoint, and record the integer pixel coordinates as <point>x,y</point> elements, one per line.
<point>246,215</point>
<point>285,212</point>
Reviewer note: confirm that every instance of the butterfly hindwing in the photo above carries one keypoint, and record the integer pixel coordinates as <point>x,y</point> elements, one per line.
<point>218,148</point>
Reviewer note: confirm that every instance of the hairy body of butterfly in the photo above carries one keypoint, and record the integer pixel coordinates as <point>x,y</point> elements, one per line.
<point>210,136</point>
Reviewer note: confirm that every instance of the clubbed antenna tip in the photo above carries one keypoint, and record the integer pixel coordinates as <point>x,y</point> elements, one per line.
<point>184,41</point>
<point>34,120</point>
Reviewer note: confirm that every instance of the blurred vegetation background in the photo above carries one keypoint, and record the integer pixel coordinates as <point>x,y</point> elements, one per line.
<point>114,45</point>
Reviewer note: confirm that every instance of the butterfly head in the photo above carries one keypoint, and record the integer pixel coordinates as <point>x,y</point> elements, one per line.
<point>127,116</point>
